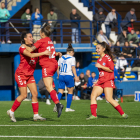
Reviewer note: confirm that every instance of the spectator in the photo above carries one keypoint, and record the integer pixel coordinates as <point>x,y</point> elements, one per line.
<point>77,68</point>
<point>75,25</point>
<point>133,38</point>
<point>136,67</point>
<point>90,84</point>
<point>98,19</point>
<point>110,22</point>
<point>117,77</point>
<point>138,34</point>
<point>87,76</point>
<point>129,19</point>
<point>43,91</point>
<point>4,16</point>
<point>122,38</point>
<point>91,81</point>
<point>121,65</point>
<point>82,86</point>
<point>102,38</point>
<point>126,51</point>
<point>25,17</point>
<point>52,16</point>
<point>36,18</point>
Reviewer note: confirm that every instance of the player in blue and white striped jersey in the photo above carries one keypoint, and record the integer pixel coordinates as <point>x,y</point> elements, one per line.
<point>66,69</point>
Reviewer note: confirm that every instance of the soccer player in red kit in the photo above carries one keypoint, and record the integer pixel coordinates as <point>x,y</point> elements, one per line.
<point>48,63</point>
<point>105,83</point>
<point>24,76</point>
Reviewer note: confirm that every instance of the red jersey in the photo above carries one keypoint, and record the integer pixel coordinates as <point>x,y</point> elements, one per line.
<point>27,65</point>
<point>43,45</point>
<point>104,75</point>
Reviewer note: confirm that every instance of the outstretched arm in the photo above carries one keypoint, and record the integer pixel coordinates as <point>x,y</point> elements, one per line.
<point>32,55</point>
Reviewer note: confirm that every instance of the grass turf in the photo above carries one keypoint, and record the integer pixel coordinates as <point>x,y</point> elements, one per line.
<point>107,115</point>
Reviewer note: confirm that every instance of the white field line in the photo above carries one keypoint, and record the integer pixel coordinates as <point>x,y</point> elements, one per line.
<point>70,125</point>
<point>64,137</point>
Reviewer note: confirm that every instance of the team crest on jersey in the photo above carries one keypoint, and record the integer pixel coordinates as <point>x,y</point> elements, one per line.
<point>103,64</point>
<point>32,61</point>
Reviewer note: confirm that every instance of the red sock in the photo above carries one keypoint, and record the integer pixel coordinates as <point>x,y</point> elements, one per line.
<point>119,109</point>
<point>16,104</point>
<point>93,108</point>
<point>35,107</point>
<point>54,97</point>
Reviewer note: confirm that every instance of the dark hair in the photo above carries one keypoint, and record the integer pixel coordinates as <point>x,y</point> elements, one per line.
<point>107,49</point>
<point>121,55</point>
<point>93,72</point>
<point>138,30</point>
<point>52,10</point>
<point>125,29</point>
<point>23,35</point>
<point>2,2</point>
<point>70,48</point>
<point>46,30</point>
<point>81,73</point>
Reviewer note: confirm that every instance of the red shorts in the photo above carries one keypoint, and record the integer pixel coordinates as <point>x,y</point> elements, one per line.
<point>23,80</point>
<point>49,71</point>
<point>106,84</point>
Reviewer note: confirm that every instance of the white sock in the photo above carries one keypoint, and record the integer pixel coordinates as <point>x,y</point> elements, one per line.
<point>35,115</point>
<point>11,112</point>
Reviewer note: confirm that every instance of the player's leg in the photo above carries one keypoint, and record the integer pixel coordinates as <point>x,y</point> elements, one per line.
<point>61,86</point>
<point>17,102</point>
<point>97,91</point>
<point>60,93</point>
<point>108,95</point>
<point>35,105</point>
<point>69,81</point>
<point>69,100</point>
<point>48,83</point>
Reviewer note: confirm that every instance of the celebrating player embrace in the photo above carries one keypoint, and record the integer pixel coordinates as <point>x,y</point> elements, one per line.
<point>105,82</point>
<point>24,76</point>
<point>48,63</point>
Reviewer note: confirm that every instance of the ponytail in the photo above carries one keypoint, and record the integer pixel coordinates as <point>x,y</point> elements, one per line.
<point>70,48</point>
<point>107,49</point>
<point>46,30</point>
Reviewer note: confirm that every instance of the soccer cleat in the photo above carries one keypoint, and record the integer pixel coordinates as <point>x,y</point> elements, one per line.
<point>69,110</point>
<point>125,116</point>
<point>59,109</point>
<point>12,117</point>
<point>91,117</point>
<point>38,117</point>
<point>55,109</point>
<point>77,98</point>
<point>48,102</point>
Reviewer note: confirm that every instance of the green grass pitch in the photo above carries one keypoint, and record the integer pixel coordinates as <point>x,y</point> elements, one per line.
<point>111,121</point>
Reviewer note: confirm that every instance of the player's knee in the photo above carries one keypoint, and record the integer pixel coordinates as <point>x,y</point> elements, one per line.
<point>108,99</point>
<point>34,95</point>
<point>24,96</point>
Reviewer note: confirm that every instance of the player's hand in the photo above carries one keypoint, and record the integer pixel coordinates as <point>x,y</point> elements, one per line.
<point>98,65</point>
<point>59,54</point>
<point>6,15</point>
<point>47,52</point>
<point>76,79</point>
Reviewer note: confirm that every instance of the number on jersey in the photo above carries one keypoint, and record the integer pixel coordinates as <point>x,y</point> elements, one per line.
<point>63,67</point>
<point>53,53</point>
